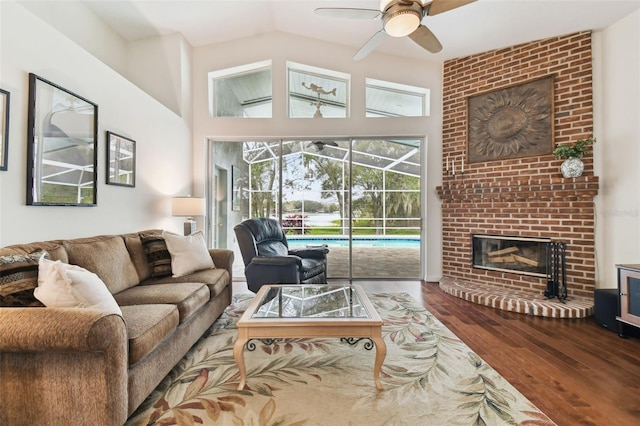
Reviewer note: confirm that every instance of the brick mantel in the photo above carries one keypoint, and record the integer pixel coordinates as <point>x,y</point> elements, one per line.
<point>584,187</point>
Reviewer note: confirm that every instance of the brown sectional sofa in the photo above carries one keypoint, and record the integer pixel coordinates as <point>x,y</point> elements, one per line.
<point>79,366</point>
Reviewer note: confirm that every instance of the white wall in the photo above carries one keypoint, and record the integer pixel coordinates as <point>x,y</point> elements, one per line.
<point>163,169</point>
<point>80,24</point>
<point>161,67</point>
<point>280,48</point>
<point>617,152</point>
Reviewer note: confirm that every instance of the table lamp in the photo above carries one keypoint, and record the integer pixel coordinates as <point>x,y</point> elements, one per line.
<point>189,207</point>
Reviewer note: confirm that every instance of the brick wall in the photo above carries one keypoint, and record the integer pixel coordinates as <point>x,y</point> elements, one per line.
<point>523,196</point>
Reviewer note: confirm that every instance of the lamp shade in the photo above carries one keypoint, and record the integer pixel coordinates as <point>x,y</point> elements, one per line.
<point>188,206</point>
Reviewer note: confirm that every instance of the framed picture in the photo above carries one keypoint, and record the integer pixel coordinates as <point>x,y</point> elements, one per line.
<point>512,122</point>
<point>4,128</point>
<point>61,146</point>
<point>121,160</point>
<point>236,188</point>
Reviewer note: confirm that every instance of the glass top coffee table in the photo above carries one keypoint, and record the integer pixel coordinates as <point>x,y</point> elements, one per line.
<point>293,311</point>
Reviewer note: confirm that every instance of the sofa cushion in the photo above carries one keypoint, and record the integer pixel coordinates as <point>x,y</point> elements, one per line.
<point>147,326</point>
<point>188,297</point>
<point>18,279</point>
<point>158,256</point>
<point>107,257</point>
<point>215,279</point>
<point>61,285</point>
<point>188,254</point>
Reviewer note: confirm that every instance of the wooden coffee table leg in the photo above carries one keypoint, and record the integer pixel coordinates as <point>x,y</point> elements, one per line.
<point>238,355</point>
<point>381,353</point>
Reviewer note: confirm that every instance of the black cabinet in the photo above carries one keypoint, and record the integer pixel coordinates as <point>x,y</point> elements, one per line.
<point>605,308</point>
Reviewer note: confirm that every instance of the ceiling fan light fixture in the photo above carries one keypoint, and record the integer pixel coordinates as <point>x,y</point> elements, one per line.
<point>402,23</point>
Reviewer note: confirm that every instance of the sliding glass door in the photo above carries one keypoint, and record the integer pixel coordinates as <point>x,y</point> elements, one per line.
<point>359,197</point>
<point>386,208</point>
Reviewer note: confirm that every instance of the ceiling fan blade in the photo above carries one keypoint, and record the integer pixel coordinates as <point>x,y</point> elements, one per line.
<point>426,39</point>
<point>371,44</point>
<point>350,13</point>
<point>441,6</point>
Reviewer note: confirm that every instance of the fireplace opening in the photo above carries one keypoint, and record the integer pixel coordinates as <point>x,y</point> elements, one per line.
<point>517,255</point>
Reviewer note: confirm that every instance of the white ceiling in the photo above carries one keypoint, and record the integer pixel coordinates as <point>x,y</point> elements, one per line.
<point>474,28</point>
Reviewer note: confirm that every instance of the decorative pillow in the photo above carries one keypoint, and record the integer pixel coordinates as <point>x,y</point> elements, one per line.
<point>107,257</point>
<point>157,254</point>
<point>18,278</point>
<point>188,254</point>
<point>61,285</point>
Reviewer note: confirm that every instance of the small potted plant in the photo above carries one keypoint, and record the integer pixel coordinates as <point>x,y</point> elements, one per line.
<point>572,166</point>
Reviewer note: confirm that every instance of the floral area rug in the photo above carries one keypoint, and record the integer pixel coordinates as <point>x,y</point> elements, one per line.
<point>430,377</point>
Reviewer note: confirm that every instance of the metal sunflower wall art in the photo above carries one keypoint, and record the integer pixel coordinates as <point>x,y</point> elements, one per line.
<point>513,122</point>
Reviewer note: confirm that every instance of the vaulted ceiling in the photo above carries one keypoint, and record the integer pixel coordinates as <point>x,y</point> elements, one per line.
<point>477,27</point>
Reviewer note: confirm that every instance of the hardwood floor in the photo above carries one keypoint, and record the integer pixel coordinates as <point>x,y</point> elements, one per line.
<point>575,371</point>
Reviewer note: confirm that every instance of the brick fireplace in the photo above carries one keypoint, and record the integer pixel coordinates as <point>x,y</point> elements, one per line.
<point>526,196</point>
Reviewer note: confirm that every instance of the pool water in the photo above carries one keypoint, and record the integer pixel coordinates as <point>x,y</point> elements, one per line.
<point>357,242</point>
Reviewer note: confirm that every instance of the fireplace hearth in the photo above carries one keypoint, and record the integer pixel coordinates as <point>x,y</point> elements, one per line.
<point>517,255</point>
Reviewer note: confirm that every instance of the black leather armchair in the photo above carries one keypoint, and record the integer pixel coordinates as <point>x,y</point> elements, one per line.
<point>268,260</point>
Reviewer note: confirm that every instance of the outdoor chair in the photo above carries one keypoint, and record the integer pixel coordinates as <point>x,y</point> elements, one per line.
<point>268,260</point>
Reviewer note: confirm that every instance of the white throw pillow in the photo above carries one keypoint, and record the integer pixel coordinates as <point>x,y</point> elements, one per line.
<point>188,254</point>
<point>61,285</point>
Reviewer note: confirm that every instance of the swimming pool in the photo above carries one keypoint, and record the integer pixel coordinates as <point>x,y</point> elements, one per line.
<point>359,241</point>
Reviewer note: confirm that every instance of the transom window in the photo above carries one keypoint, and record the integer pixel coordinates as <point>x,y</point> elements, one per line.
<point>317,92</point>
<point>388,99</point>
<point>244,91</point>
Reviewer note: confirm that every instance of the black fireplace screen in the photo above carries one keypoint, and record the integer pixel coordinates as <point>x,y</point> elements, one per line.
<point>518,255</point>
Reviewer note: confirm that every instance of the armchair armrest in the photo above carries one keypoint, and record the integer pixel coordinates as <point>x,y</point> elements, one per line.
<point>276,260</point>
<point>310,252</point>
<point>49,354</point>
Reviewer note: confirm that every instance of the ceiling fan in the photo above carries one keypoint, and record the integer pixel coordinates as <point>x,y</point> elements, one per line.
<point>399,18</point>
